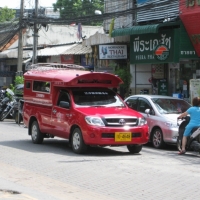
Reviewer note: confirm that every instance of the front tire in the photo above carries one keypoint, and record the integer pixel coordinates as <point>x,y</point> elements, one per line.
<point>36,135</point>
<point>77,142</point>
<point>134,148</point>
<point>157,138</point>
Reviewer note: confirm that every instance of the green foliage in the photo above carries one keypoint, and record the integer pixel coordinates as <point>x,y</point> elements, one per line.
<point>6,14</point>
<point>19,80</point>
<point>71,9</point>
<point>124,73</point>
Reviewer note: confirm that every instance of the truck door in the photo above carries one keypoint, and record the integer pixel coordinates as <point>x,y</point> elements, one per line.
<point>61,115</point>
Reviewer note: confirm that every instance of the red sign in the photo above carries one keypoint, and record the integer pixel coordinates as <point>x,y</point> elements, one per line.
<point>190,15</point>
<point>67,59</point>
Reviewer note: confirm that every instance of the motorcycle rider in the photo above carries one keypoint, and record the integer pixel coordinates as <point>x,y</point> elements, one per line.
<point>194,112</point>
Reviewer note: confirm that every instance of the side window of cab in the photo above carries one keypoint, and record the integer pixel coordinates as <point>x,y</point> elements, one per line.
<point>144,104</point>
<point>132,103</point>
<point>63,99</point>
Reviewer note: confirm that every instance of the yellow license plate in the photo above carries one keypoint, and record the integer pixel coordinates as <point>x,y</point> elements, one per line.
<point>123,136</point>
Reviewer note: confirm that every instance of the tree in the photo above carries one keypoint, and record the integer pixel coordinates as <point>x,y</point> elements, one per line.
<point>124,73</point>
<point>70,9</point>
<point>6,14</point>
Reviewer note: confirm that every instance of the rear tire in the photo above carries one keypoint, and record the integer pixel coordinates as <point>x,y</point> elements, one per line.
<point>77,142</point>
<point>36,135</point>
<point>134,148</point>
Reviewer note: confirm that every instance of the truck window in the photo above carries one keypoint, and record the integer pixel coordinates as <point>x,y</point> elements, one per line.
<point>41,86</point>
<point>28,85</point>
<point>64,96</point>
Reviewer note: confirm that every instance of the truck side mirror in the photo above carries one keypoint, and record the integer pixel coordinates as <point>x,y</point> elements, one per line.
<point>64,104</point>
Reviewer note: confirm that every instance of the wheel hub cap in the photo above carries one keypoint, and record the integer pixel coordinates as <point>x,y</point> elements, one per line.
<point>76,141</point>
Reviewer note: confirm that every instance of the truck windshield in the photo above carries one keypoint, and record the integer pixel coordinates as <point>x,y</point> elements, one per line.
<point>97,97</point>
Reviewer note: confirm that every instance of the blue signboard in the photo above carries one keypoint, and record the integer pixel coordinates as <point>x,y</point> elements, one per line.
<point>89,64</point>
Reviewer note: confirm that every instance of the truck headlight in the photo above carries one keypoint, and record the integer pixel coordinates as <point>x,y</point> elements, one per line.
<point>142,121</point>
<point>95,121</point>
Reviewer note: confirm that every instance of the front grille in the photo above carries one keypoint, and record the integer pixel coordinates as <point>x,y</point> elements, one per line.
<point>121,121</point>
<point>112,135</point>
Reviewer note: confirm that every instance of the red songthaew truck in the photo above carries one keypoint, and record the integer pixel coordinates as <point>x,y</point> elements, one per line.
<point>80,106</point>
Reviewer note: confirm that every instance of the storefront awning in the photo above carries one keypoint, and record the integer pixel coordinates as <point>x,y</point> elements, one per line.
<point>54,51</point>
<point>13,53</point>
<point>74,49</point>
<point>78,49</point>
<point>145,29</point>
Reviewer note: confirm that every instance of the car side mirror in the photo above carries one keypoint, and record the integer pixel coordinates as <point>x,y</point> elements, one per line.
<point>147,111</point>
<point>64,104</point>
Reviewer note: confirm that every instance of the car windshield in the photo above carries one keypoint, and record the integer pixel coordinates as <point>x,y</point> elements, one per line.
<point>170,106</point>
<point>97,97</point>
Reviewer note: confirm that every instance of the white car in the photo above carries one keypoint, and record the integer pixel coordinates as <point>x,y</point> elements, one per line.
<point>161,113</point>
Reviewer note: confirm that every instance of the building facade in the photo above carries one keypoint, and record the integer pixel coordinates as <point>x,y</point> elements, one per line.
<point>164,52</point>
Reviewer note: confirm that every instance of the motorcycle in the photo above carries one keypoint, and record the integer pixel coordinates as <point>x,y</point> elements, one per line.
<point>8,105</point>
<point>193,141</point>
<point>3,104</point>
<point>18,111</point>
<point>2,95</point>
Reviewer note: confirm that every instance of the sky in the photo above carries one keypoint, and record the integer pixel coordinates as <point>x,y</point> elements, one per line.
<point>15,4</point>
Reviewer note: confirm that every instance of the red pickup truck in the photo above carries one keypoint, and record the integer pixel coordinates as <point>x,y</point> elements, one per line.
<point>81,107</point>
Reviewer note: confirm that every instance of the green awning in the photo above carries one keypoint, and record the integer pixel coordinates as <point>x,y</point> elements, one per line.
<point>145,29</point>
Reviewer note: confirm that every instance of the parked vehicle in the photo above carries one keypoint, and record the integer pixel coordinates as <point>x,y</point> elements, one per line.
<point>2,94</point>
<point>161,113</point>
<point>18,109</point>
<point>8,106</point>
<point>81,107</point>
<point>3,105</point>
<point>193,141</point>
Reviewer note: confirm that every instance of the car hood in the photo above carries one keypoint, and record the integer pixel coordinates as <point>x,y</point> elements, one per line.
<point>171,117</point>
<point>108,111</point>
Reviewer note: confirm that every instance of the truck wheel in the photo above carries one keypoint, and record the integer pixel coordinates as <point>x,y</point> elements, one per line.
<point>36,135</point>
<point>157,138</point>
<point>134,148</point>
<point>77,142</point>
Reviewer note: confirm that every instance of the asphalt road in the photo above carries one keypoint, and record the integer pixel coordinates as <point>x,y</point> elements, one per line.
<point>51,171</point>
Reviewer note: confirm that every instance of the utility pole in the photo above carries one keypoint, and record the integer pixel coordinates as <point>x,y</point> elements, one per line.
<point>35,35</point>
<point>20,45</point>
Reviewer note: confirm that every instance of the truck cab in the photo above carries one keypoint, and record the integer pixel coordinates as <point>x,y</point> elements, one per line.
<point>80,106</point>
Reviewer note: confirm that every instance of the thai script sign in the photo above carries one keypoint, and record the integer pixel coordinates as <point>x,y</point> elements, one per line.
<point>152,48</point>
<point>112,52</point>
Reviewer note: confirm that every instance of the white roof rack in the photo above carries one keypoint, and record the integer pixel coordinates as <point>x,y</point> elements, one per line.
<point>51,66</point>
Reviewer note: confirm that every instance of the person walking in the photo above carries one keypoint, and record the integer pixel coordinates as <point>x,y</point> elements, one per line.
<point>194,113</point>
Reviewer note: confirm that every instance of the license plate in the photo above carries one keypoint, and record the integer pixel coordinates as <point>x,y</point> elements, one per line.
<point>123,136</point>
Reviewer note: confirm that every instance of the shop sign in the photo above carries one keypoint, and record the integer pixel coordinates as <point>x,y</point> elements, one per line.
<point>67,59</point>
<point>189,14</point>
<point>162,87</point>
<point>113,52</point>
<point>187,50</point>
<point>161,52</point>
<point>152,48</point>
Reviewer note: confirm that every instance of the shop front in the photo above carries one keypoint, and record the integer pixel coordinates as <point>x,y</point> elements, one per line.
<point>153,57</point>
<point>163,63</point>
